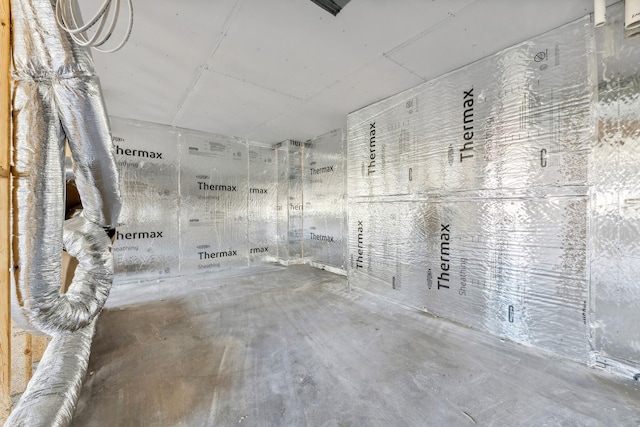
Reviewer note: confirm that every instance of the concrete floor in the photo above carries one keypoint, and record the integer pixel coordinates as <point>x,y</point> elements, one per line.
<point>296,347</point>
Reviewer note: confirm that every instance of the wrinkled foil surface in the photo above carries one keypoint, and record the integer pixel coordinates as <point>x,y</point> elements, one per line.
<point>324,201</point>
<point>614,177</point>
<point>193,202</point>
<point>504,195</point>
<point>51,396</point>
<point>468,195</point>
<point>57,99</point>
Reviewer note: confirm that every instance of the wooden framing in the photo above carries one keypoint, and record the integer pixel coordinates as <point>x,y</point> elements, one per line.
<point>5,209</point>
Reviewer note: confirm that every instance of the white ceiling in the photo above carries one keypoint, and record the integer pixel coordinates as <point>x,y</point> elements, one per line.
<point>270,70</point>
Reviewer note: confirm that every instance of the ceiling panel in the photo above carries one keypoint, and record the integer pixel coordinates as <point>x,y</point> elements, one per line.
<point>381,25</point>
<point>149,77</point>
<point>301,123</point>
<point>484,28</point>
<point>226,105</point>
<point>374,81</point>
<point>295,47</point>
<point>282,69</point>
<point>328,109</point>
<point>289,47</point>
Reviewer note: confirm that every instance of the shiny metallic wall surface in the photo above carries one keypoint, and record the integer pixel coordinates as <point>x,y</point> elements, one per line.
<point>214,196</point>
<point>470,259</point>
<point>262,226</point>
<point>295,201</point>
<point>517,120</point>
<point>147,237</point>
<point>468,194</point>
<point>282,206</point>
<point>193,202</point>
<point>324,200</point>
<point>614,175</point>
<point>504,195</point>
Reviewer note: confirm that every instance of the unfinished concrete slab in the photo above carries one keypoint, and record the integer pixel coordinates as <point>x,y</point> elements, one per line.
<point>297,347</point>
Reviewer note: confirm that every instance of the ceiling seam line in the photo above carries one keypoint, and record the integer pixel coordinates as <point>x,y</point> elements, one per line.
<point>227,25</point>
<point>424,32</point>
<point>423,78</point>
<point>354,72</point>
<point>277,116</point>
<point>288,95</point>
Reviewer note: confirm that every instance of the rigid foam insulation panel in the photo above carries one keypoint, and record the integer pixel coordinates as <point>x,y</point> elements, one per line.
<point>468,194</point>
<point>214,192</point>
<point>262,225</point>
<point>282,209</point>
<point>516,120</point>
<point>495,264</point>
<point>295,201</point>
<point>147,238</point>
<point>324,201</point>
<point>614,176</point>
<point>193,202</point>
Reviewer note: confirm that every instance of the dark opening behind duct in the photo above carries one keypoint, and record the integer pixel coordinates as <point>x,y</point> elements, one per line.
<point>331,6</point>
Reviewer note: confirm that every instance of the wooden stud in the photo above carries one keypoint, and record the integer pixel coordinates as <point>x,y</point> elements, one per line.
<point>5,209</point>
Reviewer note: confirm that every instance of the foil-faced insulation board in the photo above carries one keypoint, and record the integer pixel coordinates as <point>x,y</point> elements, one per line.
<point>198,202</point>
<point>468,194</point>
<point>324,200</point>
<point>262,227</point>
<point>147,239</point>
<point>515,120</point>
<point>614,177</point>
<point>214,191</point>
<point>295,202</point>
<point>282,207</point>
<point>193,202</point>
<point>501,265</point>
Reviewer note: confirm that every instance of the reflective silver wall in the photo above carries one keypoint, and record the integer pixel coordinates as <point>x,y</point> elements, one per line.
<point>193,202</point>
<point>311,201</point>
<point>504,195</point>
<point>324,195</point>
<point>196,202</point>
<point>614,177</point>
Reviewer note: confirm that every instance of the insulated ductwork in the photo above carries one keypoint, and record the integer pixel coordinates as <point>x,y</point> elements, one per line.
<point>57,97</point>
<point>51,396</point>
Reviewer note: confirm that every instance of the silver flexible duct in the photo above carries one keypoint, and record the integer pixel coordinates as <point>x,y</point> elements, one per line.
<point>57,97</point>
<point>53,391</point>
<point>90,286</point>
